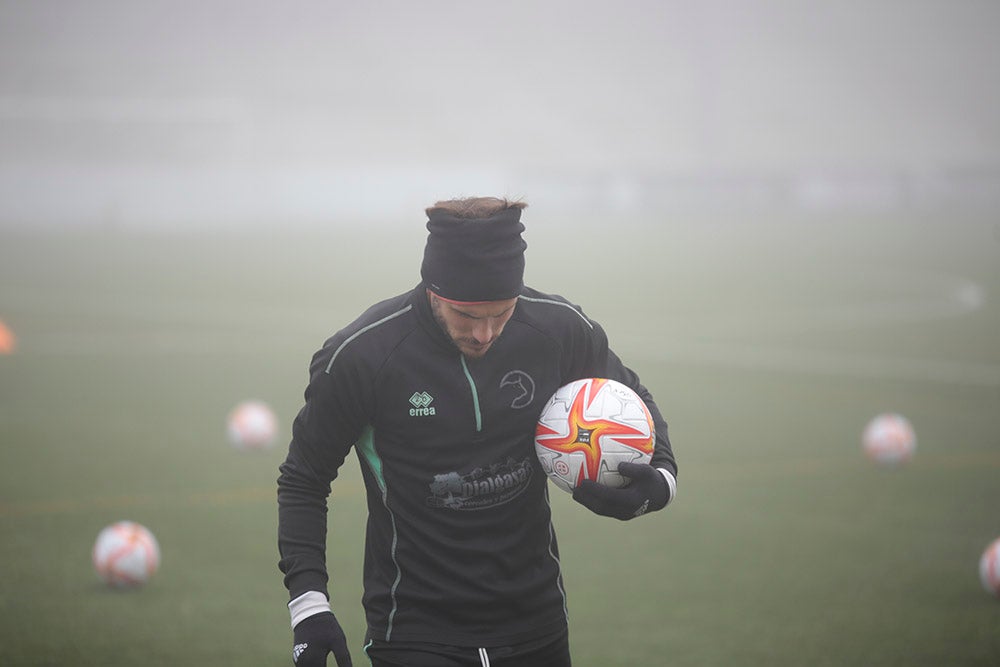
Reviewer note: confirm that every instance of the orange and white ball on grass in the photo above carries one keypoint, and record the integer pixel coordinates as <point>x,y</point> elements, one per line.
<point>252,425</point>
<point>889,439</point>
<point>588,427</point>
<point>126,555</point>
<point>989,568</point>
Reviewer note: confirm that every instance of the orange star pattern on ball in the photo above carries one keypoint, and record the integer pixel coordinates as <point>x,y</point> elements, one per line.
<point>585,435</point>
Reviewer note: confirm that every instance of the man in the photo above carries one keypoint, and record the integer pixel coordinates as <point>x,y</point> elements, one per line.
<point>438,390</point>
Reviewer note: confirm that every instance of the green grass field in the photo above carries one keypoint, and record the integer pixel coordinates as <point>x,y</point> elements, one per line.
<point>768,344</point>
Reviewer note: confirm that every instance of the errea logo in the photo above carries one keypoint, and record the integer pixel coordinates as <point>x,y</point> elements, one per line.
<point>421,402</point>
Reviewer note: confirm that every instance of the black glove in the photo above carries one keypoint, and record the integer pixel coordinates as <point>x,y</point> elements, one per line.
<point>646,492</point>
<point>316,636</point>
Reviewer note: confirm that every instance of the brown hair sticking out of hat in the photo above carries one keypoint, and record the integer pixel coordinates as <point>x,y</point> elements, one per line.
<point>474,249</point>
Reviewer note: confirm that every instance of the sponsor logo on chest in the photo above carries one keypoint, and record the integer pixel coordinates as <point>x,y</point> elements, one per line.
<point>481,488</point>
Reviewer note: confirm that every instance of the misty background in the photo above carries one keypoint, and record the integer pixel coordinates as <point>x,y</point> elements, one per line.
<point>224,113</point>
<point>815,194</point>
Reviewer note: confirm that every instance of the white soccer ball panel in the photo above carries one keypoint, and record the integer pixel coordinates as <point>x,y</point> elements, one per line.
<point>252,425</point>
<point>889,439</point>
<point>126,554</point>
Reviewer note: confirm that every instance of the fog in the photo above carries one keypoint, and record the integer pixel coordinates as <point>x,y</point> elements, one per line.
<point>220,113</point>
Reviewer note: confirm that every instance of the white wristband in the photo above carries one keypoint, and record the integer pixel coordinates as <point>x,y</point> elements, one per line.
<point>671,482</point>
<point>308,604</point>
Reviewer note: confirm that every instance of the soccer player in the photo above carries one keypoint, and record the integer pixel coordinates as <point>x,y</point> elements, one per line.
<point>438,391</point>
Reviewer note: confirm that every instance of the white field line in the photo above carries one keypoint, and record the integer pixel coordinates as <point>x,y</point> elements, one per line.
<point>878,299</point>
<point>820,362</point>
<point>890,298</point>
<point>143,343</point>
<point>220,498</point>
<point>922,297</point>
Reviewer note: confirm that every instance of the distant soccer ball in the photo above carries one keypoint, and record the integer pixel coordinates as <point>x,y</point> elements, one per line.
<point>989,568</point>
<point>588,427</point>
<point>252,425</point>
<point>126,555</point>
<point>888,439</point>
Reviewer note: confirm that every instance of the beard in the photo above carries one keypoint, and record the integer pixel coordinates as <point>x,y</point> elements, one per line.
<point>469,347</point>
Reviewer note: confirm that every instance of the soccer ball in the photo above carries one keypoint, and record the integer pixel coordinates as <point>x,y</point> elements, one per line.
<point>126,554</point>
<point>252,425</point>
<point>588,427</point>
<point>989,568</point>
<point>888,439</point>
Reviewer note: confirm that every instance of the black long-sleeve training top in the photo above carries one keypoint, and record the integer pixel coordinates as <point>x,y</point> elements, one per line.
<point>459,545</point>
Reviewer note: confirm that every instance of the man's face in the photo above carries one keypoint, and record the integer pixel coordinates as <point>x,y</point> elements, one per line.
<point>472,327</point>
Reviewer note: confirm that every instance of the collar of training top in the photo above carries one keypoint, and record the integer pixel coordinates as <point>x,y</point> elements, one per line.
<point>474,260</point>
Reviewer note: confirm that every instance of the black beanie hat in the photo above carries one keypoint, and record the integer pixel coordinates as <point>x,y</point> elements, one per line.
<point>474,259</point>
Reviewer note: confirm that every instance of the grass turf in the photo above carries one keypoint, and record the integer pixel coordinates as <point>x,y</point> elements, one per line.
<point>768,346</point>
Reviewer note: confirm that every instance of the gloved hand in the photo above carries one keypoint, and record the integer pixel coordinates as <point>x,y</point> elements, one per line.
<point>316,636</point>
<point>646,492</point>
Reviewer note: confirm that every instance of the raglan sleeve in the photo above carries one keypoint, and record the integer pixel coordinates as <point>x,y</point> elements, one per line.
<point>330,421</point>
